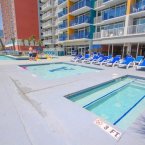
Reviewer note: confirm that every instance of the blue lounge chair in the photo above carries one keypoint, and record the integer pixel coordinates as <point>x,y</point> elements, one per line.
<point>114,61</point>
<point>86,57</point>
<point>127,62</point>
<point>139,59</point>
<point>141,65</point>
<point>77,58</point>
<point>95,57</point>
<point>98,58</point>
<point>103,59</point>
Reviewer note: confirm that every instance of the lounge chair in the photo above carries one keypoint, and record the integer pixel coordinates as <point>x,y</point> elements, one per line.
<point>127,62</point>
<point>92,59</point>
<point>101,60</point>
<point>138,59</point>
<point>98,58</point>
<point>141,65</point>
<point>105,61</point>
<point>113,61</point>
<point>77,58</point>
<point>87,56</point>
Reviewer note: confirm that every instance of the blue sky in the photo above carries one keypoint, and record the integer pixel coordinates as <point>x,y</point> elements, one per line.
<point>0,20</point>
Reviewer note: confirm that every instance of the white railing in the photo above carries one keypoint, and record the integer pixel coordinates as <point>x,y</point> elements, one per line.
<point>136,29</point>
<point>97,35</point>
<point>47,4</point>
<point>98,3</point>
<point>48,14</point>
<point>98,19</point>
<point>45,42</point>
<point>49,23</point>
<point>117,32</point>
<point>47,33</point>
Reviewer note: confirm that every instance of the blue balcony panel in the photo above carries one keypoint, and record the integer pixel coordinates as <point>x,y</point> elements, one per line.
<point>83,35</point>
<point>138,7</point>
<point>81,7</point>
<point>61,1</point>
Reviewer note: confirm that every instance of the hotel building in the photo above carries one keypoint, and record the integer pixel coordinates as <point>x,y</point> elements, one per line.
<point>20,21</point>
<point>48,19</point>
<point>120,26</point>
<point>116,26</point>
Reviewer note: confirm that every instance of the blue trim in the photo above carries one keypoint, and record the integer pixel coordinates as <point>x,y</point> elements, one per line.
<point>106,95</point>
<point>129,110</point>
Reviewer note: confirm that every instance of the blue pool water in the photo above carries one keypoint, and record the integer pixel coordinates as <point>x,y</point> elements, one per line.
<point>119,102</point>
<point>58,70</point>
<point>4,58</point>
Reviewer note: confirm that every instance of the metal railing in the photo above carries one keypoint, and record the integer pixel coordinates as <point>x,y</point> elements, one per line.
<point>117,32</point>
<point>81,4</point>
<point>83,19</point>
<point>47,4</point>
<point>136,29</point>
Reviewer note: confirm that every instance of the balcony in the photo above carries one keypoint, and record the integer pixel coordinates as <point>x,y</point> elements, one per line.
<point>63,25</point>
<point>111,16</point>
<point>47,42</point>
<point>47,16</point>
<point>136,29</point>
<point>81,7</point>
<point>47,34</point>
<point>63,14</point>
<point>47,25</point>
<point>47,6</point>
<point>83,21</point>
<point>83,35</point>
<point>117,32</point>
<point>62,3</point>
<point>63,37</point>
<point>103,4</point>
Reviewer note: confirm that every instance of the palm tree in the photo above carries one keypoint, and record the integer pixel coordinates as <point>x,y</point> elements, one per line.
<point>23,41</point>
<point>33,39</point>
<point>29,41</point>
<point>13,41</point>
<point>2,44</point>
<point>40,42</point>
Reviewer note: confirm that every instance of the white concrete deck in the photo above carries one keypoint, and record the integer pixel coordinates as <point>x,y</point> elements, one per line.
<point>34,111</point>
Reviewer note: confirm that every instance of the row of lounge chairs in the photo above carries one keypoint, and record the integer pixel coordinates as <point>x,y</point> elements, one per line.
<point>100,59</point>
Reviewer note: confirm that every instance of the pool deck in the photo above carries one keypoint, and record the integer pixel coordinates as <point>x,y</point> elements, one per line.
<point>34,111</point>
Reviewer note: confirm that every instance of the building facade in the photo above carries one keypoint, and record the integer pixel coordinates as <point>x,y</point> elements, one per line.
<point>20,21</point>
<point>120,26</point>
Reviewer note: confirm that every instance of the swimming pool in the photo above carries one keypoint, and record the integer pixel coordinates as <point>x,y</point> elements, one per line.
<point>119,102</point>
<point>5,58</point>
<point>55,71</point>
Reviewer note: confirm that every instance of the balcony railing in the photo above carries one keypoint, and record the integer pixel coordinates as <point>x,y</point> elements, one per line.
<point>81,4</point>
<point>136,29</point>
<point>61,1</point>
<point>140,6</point>
<point>110,15</point>
<point>46,42</point>
<point>117,32</point>
<point>99,3</point>
<point>49,23</point>
<point>62,13</point>
<point>48,14</point>
<point>48,4</point>
<point>77,21</point>
<point>80,36</point>
<point>63,25</point>
<point>62,37</point>
<point>47,33</point>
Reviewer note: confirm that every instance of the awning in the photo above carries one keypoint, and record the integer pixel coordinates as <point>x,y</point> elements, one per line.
<point>96,46</point>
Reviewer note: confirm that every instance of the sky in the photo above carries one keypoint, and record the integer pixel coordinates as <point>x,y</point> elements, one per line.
<point>0,20</point>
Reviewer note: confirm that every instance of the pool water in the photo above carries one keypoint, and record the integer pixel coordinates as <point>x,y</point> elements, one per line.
<point>5,58</point>
<point>119,102</point>
<point>58,70</point>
